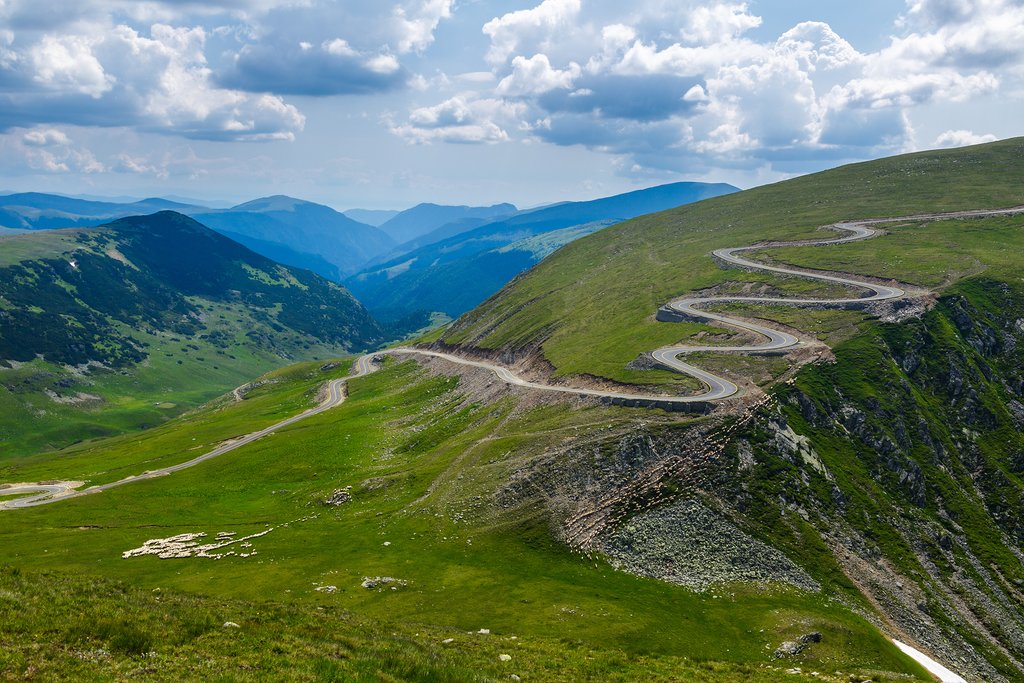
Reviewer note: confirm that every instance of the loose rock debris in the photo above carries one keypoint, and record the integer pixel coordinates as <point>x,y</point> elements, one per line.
<point>188,545</point>
<point>373,582</point>
<point>339,497</point>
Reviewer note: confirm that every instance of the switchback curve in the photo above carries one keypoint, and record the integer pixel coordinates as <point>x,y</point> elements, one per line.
<point>719,388</point>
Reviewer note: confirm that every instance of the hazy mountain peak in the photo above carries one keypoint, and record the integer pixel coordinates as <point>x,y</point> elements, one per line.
<point>277,202</point>
<point>427,217</point>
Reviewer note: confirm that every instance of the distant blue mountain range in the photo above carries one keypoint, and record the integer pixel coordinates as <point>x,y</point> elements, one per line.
<point>457,272</point>
<point>427,258</point>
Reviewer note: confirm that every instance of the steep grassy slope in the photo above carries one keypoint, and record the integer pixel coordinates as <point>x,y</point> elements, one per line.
<point>427,463</point>
<point>880,493</point>
<point>122,326</point>
<point>899,465</point>
<point>905,455</point>
<point>590,307</point>
<point>444,277</point>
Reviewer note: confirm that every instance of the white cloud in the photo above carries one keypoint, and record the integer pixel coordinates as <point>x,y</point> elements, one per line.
<point>416,28</point>
<point>46,150</point>
<point>912,90</point>
<point>383,64</point>
<point>67,64</point>
<point>338,47</point>
<point>459,119</point>
<point>175,92</point>
<point>815,45</point>
<point>699,84</point>
<point>710,24</point>
<point>117,76</point>
<point>959,34</point>
<point>45,137</point>
<point>962,138</point>
<point>648,58</point>
<point>532,26</point>
<point>534,76</point>
<point>938,13</point>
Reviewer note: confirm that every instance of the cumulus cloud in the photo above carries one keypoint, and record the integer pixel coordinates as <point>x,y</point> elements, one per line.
<point>962,138</point>
<point>183,98</point>
<point>416,26</point>
<point>936,14</point>
<point>648,97</point>
<point>535,75</point>
<point>959,34</point>
<point>528,27</point>
<point>460,119</point>
<point>816,46</point>
<point>709,24</point>
<point>658,84</point>
<point>148,65</point>
<point>67,64</point>
<point>321,48</point>
<point>683,85</point>
<point>159,82</point>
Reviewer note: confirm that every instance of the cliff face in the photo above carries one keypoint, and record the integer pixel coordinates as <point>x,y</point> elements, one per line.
<point>892,478</point>
<point>917,488</point>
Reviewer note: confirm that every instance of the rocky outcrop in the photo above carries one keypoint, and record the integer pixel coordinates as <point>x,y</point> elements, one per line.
<point>689,544</point>
<point>900,466</point>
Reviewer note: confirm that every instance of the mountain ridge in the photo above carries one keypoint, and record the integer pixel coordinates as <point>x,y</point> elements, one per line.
<point>460,271</point>
<point>426,217</point>
<point>161,298</point>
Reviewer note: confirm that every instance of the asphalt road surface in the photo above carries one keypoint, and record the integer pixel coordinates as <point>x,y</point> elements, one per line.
<point>775,341</point>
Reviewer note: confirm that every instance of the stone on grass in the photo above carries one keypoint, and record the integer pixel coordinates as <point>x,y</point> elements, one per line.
<point>372,582</point>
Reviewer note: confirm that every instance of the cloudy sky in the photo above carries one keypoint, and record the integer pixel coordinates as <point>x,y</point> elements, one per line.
<point>385,103</point>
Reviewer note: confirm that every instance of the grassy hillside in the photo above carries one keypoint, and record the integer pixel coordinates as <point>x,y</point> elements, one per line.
<point>424,463</point>
<point>590,306</point>
<point>883,492</point>
<point>122,326</point>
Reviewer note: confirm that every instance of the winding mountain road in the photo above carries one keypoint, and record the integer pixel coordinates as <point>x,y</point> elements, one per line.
<point>52,492</point>
<point>716,388</point>
<point>775,341</point>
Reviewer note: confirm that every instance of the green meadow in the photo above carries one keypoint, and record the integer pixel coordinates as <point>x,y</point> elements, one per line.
<point>590,306</point>
<point>421,459</point>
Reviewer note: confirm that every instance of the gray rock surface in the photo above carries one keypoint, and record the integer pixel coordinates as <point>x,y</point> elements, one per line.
<point>689,544</point>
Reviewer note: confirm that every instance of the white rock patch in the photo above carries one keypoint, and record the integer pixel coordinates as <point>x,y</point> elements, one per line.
<point>373,582</point>
<point>188,545</point>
